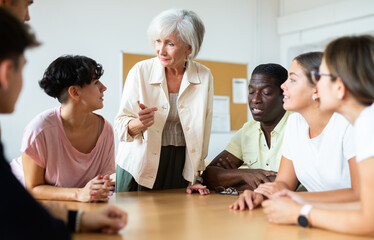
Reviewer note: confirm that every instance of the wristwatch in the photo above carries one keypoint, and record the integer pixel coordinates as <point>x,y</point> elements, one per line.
<point>303,217</point>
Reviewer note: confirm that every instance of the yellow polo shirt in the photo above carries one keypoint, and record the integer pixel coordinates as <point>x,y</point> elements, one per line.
<point>249,145</point>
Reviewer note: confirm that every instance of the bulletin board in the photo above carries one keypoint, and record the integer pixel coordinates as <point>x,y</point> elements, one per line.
<point>223,73</point>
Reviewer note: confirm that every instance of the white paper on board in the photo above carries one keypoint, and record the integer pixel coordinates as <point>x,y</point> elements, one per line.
<point>221,114</point>
<point>239,90</point>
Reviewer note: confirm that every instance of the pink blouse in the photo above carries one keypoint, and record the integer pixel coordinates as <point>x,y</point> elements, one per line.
<point>45,141</point>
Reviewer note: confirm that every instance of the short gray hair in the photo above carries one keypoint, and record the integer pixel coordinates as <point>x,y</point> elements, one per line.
<point>186,24</point>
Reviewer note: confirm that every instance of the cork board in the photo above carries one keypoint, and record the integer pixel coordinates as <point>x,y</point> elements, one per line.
<point>223,73</point>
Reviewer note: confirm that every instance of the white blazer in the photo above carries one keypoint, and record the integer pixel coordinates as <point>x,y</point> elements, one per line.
<point>146,82</point>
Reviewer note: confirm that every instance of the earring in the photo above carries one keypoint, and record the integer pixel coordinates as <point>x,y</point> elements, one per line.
<point>340,97</point>
<point>314,98</point>
<point>186,62</point>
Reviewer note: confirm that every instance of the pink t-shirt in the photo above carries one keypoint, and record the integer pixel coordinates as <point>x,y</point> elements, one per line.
<point>45,141</point>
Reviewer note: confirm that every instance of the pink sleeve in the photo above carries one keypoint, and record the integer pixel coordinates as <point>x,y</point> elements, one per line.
<point>109,162</point>
<point>34,145</point>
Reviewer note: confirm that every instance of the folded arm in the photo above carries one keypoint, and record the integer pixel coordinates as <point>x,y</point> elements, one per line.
<point>95,190</point>
<point>223,171</point>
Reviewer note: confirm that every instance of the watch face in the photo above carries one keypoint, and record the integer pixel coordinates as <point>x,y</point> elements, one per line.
<point>302,220</point>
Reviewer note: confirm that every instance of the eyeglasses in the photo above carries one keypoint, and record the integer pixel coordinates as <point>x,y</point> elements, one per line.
<point>316,76</point>
<point>226,191</point>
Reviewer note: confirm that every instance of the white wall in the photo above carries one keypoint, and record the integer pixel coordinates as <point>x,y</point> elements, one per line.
<point>240,31</point>
<point>102,29</point>
<point>309,25</point>
<point>294,6</point>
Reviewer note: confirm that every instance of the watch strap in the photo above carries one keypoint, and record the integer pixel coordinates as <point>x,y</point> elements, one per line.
<point>305,210</point>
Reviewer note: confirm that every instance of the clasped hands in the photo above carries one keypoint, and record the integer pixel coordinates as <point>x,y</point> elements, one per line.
<point>252,177</point>
<point>97,189</point>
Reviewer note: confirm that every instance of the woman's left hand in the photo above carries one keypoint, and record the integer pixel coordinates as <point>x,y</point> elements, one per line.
<point>197,187</point>
<point>269,188</point>
<point>281,210</point>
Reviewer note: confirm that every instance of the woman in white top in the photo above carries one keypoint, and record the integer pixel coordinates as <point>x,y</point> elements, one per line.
<point>345,85</point>
<point>318,149</point>
<point>165,116</point>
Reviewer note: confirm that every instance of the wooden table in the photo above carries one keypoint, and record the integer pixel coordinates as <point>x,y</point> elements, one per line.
<point>172,214</point>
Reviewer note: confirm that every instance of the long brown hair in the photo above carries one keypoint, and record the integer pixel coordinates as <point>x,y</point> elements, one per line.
<point>352,59</point>
<point>309,61</point>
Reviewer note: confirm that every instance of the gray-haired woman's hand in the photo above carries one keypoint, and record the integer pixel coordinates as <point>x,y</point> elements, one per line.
<point>197,187</point>
<point>146,115</point>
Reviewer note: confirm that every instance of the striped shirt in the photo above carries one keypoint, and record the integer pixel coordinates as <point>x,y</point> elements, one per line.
<point>173,133</point>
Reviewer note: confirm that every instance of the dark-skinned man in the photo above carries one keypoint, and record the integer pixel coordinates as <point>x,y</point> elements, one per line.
<point>258,143</point>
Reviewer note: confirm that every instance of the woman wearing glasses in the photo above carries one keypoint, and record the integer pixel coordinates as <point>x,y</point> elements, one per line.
<point>346,86</point>
<point>318,148</point>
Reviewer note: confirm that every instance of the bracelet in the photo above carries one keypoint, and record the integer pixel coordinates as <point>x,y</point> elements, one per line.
<point>78,221</point>
<point>72,217</point>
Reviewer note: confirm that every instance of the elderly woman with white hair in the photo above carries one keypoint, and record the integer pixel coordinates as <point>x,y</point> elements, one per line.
<point>165,116</point>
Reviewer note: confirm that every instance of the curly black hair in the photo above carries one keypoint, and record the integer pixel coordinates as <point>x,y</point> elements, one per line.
<point>68,71</point>
<point>272,70</point>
